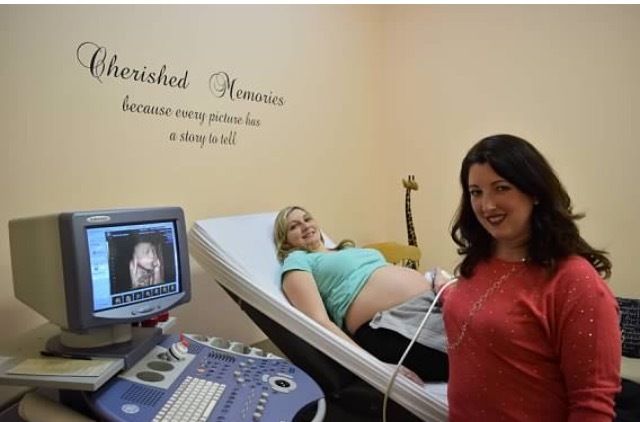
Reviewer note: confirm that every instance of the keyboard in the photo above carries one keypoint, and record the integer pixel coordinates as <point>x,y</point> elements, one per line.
<point>193,401</point>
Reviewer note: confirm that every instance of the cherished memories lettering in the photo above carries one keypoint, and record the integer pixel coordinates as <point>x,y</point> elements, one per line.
<point>221,85</point>
<point>103,65</point>
<point>94,58</point>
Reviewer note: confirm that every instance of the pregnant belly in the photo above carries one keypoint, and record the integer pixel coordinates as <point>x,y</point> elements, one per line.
<point>387,287</point>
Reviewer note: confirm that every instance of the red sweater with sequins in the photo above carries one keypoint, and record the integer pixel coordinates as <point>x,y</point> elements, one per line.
<point>536,349</point>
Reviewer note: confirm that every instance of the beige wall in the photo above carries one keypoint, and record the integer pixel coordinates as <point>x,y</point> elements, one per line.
<point>67,145</point>
<point>563,77</point>
<point>373,93</point>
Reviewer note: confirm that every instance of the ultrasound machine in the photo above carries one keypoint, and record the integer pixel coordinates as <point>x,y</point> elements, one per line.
<point>97,275</point>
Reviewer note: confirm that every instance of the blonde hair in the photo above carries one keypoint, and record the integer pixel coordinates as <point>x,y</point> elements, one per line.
<point>283,249</point>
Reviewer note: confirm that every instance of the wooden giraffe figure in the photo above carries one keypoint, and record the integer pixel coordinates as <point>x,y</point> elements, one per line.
<point>410,184</point>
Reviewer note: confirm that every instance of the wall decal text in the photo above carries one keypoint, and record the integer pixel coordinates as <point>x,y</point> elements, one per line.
<point>94,57</point>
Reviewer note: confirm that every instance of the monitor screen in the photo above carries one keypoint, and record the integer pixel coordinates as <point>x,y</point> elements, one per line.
<point>132,263</point>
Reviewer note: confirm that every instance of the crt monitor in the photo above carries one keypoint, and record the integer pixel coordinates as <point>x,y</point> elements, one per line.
<point>93,273</point>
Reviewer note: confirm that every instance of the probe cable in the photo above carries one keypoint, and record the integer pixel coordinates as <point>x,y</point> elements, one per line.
<point>406,352</point>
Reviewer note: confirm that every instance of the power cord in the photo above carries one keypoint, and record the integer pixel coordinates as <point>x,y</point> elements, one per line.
<point>413,340</point>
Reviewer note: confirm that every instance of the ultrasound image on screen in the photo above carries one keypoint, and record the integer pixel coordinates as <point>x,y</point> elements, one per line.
<point>140,258</point>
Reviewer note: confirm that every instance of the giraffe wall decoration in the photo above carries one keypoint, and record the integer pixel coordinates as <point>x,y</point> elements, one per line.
<point>410,184</point>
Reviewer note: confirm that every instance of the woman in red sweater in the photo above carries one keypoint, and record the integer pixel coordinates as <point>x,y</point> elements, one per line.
<point>532,327</point>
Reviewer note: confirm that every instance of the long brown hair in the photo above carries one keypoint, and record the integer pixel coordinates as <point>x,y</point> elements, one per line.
<point>554,233</point>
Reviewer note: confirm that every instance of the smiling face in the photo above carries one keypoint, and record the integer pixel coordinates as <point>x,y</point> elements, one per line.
<point>303,231</point>
<point>502,210</point>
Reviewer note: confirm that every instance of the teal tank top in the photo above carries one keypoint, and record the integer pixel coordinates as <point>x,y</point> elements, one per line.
<point>339,275</point>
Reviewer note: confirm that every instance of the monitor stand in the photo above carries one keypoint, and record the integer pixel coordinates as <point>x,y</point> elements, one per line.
<point>128,343</point>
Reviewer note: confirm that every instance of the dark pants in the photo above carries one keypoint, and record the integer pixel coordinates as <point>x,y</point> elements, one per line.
<point>389,346</point>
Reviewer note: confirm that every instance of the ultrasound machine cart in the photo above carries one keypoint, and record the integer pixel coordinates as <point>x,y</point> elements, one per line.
<point>95,275</point>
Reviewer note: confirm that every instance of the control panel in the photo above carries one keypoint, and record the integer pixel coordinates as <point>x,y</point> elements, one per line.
<point>200,378</point>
